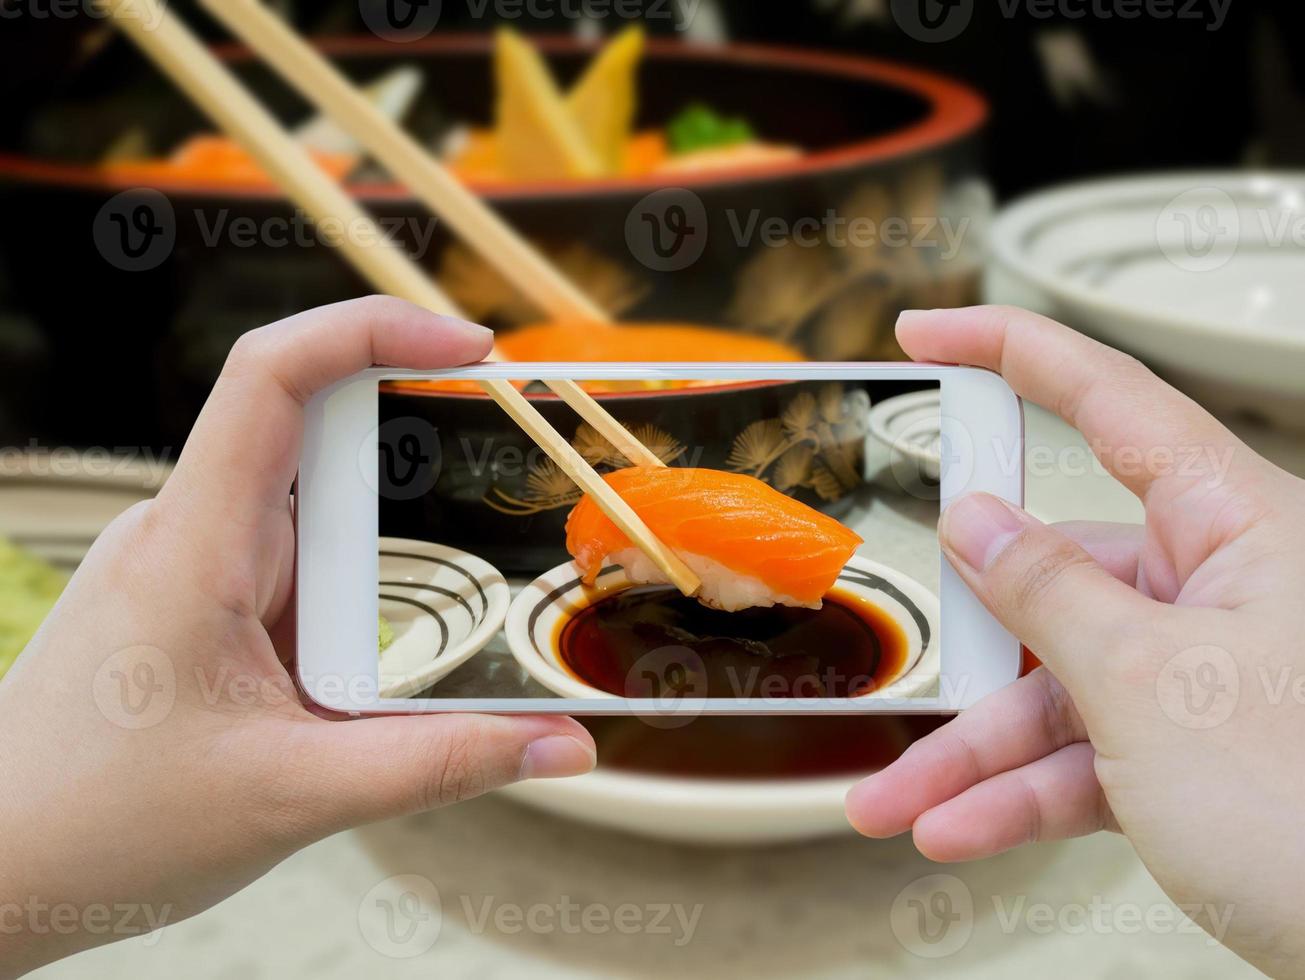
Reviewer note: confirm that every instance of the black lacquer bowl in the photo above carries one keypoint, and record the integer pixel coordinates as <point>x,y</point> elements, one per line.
<point>883,211</point>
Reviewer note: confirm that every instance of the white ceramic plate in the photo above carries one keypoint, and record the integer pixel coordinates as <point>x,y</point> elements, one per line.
<point>697,811</point>
<point>911,425</point>
<point>1199,274</point>
<point>706,810</point>
<point>444,606</point>
<point>540,608</point>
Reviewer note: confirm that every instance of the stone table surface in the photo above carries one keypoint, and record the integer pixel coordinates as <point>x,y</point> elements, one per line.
<point>522,891</point>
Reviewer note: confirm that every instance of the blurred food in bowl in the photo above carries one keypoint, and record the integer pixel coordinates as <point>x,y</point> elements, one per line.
<point>883,208</point>
<point>214,159</point>
<point>588,132</point>
<point>209,159</point>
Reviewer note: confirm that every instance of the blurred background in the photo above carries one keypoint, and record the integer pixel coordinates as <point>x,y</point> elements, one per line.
<point>797,172</point>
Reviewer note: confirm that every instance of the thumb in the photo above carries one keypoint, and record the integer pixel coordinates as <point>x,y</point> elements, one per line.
<point>376,768</point>
<point>1041,585</point>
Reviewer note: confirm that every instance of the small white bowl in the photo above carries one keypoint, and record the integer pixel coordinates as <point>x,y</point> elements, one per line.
<point>539,610</point>
<point>444,606</point>
<point>1198,274</point>
<point>911,425</point>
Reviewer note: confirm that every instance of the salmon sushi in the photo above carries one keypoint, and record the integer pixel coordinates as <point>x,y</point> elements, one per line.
<point>750,544</point>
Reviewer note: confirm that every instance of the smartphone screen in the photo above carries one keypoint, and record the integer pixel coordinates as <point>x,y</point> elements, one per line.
<point>807,509</point>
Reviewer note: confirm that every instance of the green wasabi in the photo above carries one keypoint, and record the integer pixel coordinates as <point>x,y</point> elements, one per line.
<point>384,633</point>
<point>700,127</point>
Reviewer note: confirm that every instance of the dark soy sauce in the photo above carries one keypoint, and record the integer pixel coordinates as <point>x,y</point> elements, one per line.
<point>655,643</point>
<point>757,746</point>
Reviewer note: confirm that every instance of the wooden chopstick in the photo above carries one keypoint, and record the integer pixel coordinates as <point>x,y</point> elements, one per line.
<point>611,503</point>
<point>322,84</point>
<point>613,431</point>
<point>497,242</point>
<point>181,56</point>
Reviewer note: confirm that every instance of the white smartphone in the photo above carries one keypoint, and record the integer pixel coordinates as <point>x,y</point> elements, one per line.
<point>437,571</point>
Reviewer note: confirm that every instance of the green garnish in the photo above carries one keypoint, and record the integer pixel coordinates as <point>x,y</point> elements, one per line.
<point>28,590</point>
<point>699,127</point>
<point>384,633</point>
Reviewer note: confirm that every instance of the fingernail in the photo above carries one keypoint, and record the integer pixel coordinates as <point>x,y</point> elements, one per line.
<point>472,330</point>
<point>906,316</point>
<point>864,807</point>
<point>978,527</point>
<point>555,756</point>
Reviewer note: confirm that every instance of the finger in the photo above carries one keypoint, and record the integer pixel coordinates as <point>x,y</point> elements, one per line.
<point>1115,547</point>
<point>377,768</point>
<point>1043,587</point>
<point>1030,719</point>
<point>1054,798</point>
<point>244,449</point>
<point>1138,426</point>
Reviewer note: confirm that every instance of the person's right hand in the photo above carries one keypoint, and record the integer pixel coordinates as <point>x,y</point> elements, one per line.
<point>1172,704</point>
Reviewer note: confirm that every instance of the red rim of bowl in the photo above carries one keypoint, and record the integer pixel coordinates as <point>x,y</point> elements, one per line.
<point>956,110</point>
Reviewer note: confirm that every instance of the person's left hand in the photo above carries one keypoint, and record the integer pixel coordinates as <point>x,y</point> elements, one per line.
<point>155,751</point>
